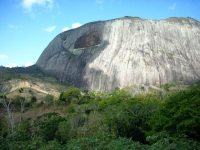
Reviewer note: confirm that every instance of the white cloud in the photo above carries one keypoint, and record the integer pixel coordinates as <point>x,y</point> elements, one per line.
<point>12,65</point>
<point>12,26</point>
<point>173,7</point>
<point>99,1</point>
<point>76,25</point>
<point>28,64</point>
<point>65,29</point>
<point>100,4</point>
<point>3,56</point>
<point>27,4</point>
<point>50,28</point>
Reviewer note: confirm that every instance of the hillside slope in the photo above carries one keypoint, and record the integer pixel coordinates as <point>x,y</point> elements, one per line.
<point>32,80</point>
<point>124,52</point>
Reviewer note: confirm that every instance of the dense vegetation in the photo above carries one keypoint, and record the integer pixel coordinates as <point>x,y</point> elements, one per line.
<point>104,121</point>
<point>15,73</point>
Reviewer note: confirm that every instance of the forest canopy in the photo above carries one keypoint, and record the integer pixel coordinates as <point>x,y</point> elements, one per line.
<point>110,120</point>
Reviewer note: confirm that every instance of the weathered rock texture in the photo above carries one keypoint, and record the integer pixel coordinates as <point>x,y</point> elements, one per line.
<point>124,52</point>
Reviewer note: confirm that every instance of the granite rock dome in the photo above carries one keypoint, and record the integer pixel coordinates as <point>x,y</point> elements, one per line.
<point>123,52</point>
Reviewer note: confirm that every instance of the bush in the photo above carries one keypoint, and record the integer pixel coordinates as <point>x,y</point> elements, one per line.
<point>106,142</point>
<point>70,109</point>
<point>49,97</point>
<point>130,118</point>
<point>69,94</point>
<point>115,98</point>
<point>52,145</point>
<point>47,125</point>
<point>164,141</point>
<point>64,132</point>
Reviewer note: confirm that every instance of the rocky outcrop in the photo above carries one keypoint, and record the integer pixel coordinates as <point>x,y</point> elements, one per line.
<point>124,52</point>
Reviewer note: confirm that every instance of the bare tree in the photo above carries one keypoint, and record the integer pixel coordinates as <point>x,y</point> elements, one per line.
<point>21,109</point>
<point>22,100</point>
<point>7,106</point>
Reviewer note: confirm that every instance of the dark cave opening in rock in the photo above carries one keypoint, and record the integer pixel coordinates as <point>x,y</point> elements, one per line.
<point>87,40</point>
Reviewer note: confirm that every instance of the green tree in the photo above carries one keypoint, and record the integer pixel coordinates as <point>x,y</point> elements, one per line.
<point>130,119</point>
<point>162,140</point>
<point>179,114</point>
<point>17,139</point>
<point>47,125</point>
<point>64,132</point>
<point>106,142</point>
<point>69,94</point>
<point>114,99</point>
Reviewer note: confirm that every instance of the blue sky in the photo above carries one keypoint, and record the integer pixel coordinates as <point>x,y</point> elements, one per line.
<point>28,26</point>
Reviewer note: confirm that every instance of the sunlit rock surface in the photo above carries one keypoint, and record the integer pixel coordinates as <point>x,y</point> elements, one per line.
<point>124,52</point>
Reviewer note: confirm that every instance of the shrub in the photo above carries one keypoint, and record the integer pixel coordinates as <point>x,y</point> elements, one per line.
<point>106,142</point>
<point>47,125</point>
<point>164,141</point>
<point>69,94</point>
<point>49,97</point>
<point>33,99</point>
<point>115,98</point>
<point>70,109</point>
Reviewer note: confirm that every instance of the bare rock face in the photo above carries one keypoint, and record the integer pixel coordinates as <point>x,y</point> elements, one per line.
<point>124,52</point>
